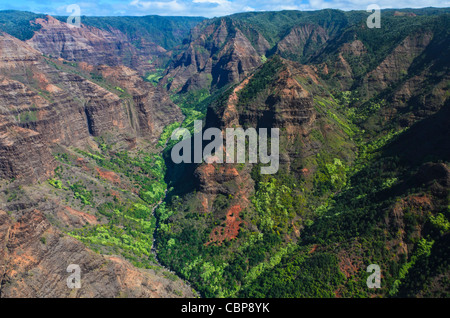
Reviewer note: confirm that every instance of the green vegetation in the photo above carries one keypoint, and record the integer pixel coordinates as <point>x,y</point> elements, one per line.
<point>423,250</point>
<point>260,81</point>
<point>363,179</point>
<point>119,89</point>
<point>154,78</point>
<point>62,157</point>
<point>27,116</point>
<point>277,205</point>
<point>78,189</point>
<point>167,133</point>
<point>55,183</point>
<point>17,23</point>
<point>274,25</point>
<point>129,232</point>
<point>130,223</point>
<point>80,192</point>
<point>340,210</point>
<point>330,176</point>
<point>146,171</point>
<point>441,223</point>
<point>299,276</point>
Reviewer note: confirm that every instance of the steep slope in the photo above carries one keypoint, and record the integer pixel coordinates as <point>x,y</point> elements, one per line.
<point>34,257</point>
<point>358,184</point>
<point>400,69</point>
<point>217,54</point>
<point>301,42</point>
<point>46,95</point>
<point>393,214</point>
<point>23,154</point>
<point>17,23</point>
<point>89,44</point>
<point>224,225</point>
<point>364,156</point>
<point>50,110</point>
<point>154,108</point>
<point>149,36</point>
<point>223,51</point>
<point>164,31</point>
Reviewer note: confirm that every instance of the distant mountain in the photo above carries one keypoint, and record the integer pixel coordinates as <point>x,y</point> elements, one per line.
<point>167,32</point>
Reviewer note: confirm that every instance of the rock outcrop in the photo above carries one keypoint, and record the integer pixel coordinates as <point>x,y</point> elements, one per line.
<point>91,45</point>
<point>218,54</point>
<point>396,65</point>
<point>153,106</point>
<point>34,257</point>
<point>51,103</point>
<point>301,42</point>
<point>23,154</point>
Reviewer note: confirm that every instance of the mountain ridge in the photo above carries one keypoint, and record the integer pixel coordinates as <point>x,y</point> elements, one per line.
<point>364,153</point>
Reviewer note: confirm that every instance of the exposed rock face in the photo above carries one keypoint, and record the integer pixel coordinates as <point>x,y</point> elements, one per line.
<point>91,45</point>
<point>14,53</point>
<point>302,41</point>
<point>215,179</point>
<point>284,103</point>
<point>396,64</point>
<point>34,257</point>
<point>46,104</point>
<point>289,106</point>
<point>57,107</point>
<point>226,180</point>
<point>226,50</point>
<point>153,106</point>
<point>402,75</point>
<point>56,104</point>
<point>276,95</point>
<point>355,48</point>
<point>23,154</point>
<point>217,55</point>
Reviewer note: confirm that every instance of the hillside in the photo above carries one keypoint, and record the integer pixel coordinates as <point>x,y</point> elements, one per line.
<point>350,191</point>
<point>87,177</point>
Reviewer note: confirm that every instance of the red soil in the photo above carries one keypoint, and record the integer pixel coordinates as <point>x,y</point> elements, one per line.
<point>229,230</point>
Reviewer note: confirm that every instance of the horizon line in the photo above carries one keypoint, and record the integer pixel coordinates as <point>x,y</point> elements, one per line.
<point>227,15</point>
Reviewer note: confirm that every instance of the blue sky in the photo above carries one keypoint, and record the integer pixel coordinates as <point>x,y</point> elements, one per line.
<point>206,8</point>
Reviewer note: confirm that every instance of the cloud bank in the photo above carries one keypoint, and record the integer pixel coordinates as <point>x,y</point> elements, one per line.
<point>206,8</point>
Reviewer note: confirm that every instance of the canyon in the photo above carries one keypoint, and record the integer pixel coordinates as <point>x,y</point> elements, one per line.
<point>86,176</point>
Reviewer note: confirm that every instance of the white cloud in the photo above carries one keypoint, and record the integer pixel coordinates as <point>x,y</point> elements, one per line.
<point>172,6</point>
<point>220,2</point>
<point>206,8</point>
